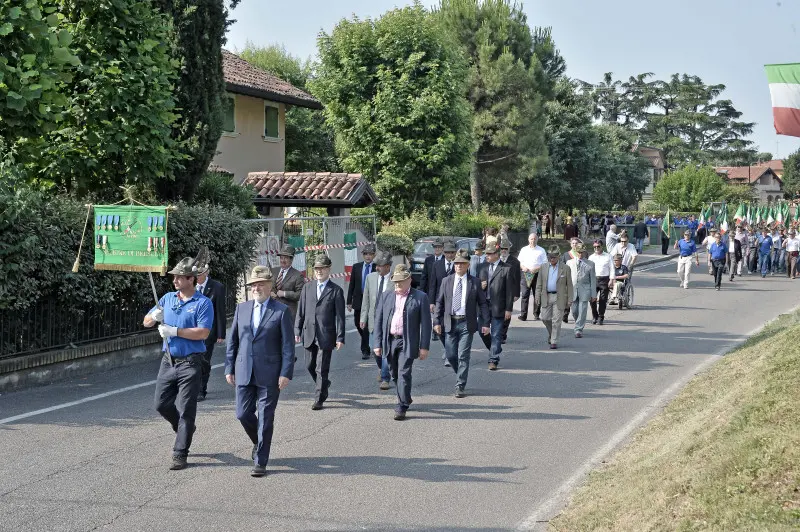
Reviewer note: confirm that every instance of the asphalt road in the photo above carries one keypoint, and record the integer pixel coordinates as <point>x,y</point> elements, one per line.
<point>502,458</point>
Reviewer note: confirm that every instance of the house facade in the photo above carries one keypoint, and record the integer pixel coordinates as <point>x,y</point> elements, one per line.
<point>766,184</point>
<point>254,126</point>
<point>655,172</point>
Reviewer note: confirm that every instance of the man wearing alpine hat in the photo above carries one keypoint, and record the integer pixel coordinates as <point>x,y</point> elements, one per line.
<point>185,319</point>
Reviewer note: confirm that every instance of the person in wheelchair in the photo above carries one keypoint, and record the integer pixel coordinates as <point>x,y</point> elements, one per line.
<point>620,277</point>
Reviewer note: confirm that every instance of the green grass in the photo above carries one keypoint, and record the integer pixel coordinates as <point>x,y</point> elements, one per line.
<point>723,455</point>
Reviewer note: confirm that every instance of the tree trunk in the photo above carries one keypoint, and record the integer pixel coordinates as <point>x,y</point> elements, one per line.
<point>474,185</point>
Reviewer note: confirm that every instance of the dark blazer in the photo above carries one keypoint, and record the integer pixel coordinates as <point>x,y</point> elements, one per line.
<point>215,291</point>
<point>427,273</point>
<point>321,320</point>
<point>260,358</point>
<point>416,322</point>
<point>499,290</point>
<point>435,281</point>
<point>354,291</point>
<point>737,253</point>
<point>477,310</point>
<point>292,283</point>
<point>516,274</point>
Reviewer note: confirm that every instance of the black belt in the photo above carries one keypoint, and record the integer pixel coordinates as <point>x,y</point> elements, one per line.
<point>684,256</point>
<point>457,318</point>
<point>549,292</point>
<point>395,336</point>
<point>172,359</point>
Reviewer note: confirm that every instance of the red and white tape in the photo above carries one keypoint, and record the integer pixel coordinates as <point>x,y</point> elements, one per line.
<point>322,247</point>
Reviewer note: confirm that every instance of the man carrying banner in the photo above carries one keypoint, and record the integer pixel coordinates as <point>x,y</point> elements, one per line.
<point>664,234</point>
<point>186,317</point>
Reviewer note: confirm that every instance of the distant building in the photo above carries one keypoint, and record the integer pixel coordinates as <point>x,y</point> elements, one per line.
<point>764,179</point>
<point>658,162</point>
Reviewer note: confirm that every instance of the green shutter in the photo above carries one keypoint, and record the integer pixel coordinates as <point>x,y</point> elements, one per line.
<point>270,122</point>
<point>229,114</point>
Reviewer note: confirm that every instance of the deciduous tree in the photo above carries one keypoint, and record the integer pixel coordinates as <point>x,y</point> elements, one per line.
<point>689,188</point>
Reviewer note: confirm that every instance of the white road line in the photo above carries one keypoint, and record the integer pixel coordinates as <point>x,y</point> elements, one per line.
<point>91,398</point>
<point>557,499</point>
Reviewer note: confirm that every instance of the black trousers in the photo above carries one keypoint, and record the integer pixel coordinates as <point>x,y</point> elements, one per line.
<point>525,295</point>
<point>599,306</point>
<point>206,363</point>
<point>719,269</point>
<point>364,333</point>
<point>318,367</point>
<point>400,366</point>
<point>664,244</point>
<point>177,386</point>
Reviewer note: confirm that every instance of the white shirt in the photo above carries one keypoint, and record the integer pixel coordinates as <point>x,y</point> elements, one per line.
<point>201,287</point>
<point>731,244</point>
<point>628,252</point>
<point>532,257</point>
<point>320,288</point>
<point>611,241</point>
<point>463,279</point>
<point>793,244</point>
<point>602,264</point>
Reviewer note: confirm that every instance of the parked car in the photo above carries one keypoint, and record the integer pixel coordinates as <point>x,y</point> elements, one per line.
<point>424,247</point>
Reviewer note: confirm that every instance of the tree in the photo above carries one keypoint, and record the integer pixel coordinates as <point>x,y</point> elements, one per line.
<point>393,91</point>
<point>689,188</point>
<point>200,33</point>
<point>736,194</point>
<point>309,139</point>
<point>117,126</point>
<point>791,175</point>
<point>36,63</point>
<point>506,85</point>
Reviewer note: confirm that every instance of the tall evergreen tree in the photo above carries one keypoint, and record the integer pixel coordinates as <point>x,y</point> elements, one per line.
<point>200,27</point>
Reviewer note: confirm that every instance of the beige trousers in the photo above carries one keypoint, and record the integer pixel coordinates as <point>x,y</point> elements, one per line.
<point>551,316</point>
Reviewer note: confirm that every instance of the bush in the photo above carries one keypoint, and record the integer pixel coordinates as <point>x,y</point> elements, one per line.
<point>416,226</point>
<point>463,223</point>
<point>218,188</point>
<point>395,243</point>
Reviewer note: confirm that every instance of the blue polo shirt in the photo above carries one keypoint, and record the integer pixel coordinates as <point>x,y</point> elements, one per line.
<point>692,225</point>
<point>718,251</point>
<point>765,244</point>
<point>687,248</point>
<point>195,312</point>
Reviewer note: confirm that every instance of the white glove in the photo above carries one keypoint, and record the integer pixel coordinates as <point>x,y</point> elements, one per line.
<point>167,331</point>
<point>157,315</point>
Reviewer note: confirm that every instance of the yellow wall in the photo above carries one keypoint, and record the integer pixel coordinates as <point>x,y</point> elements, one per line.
<point>245,150</point>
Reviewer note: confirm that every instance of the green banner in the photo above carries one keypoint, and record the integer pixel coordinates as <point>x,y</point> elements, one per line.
<point>130,238</point>
<point>298,243</point>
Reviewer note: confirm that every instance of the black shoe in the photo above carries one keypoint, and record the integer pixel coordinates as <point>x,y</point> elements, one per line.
<point>255,448</point>
<point>178,462</point>
<point>536,318</point>
<point>522,318</point>
<point>717,287</point>
<point>316,406</point>
<point>399,415</point>
<point>601,320</point>
<point>594,321</point>
<point>731,279</point>
<point>460,392</point>
<point>201,396</point>
<point>565,320</point>
<point>365,356</point>
<point>258,471</point>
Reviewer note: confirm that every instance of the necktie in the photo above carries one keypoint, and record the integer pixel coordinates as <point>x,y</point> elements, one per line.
<point>319,290</point>
<point>380,286</point>
<point>256,315</point>
<point>457,297</point>
<point>449,268</point>
<point>279,282</point>
<point>364,275</point>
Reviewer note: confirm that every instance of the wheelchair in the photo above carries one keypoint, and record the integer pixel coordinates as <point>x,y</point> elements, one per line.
<point>625,297</point>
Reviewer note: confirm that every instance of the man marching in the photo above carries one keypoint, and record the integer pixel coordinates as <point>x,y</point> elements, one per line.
<point>355,293</point>
<point>403,333</point>
<point>554,290</point>
<point>687,249</point>
<point>602,272</point>
<point>260,363</point>
<point>289,281</point>
<point>531,258</point>
<point>378,283</point>
<point>186,318</point>
<point>498,282</point>
<point>460,309</point>
<point>319,324</point>
<point>215,291</point>
<point>584,282</point>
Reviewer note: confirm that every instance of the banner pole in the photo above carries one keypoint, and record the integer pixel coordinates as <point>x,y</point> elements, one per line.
<point>155,296</point>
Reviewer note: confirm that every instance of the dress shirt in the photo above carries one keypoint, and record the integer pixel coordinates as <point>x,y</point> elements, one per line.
<point>463,280</point>
<point>396,327</point>
<point>552,279</point>
<point>383,283</point>
<point>202,287</point>
<point>321,288</point>
<point>793,244</point>
<point>258,311</point>
<point>532,257</point>
<point>602,264</point>
<point>731,244</point>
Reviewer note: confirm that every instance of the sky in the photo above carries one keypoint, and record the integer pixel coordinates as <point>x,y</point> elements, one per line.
<point>721,41</point>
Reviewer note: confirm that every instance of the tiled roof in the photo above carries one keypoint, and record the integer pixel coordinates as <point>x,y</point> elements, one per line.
<point>748,174</point>
<point>213,167</point>
<point>243,78</point>
<point>311,188</point>
<point>775,164</point>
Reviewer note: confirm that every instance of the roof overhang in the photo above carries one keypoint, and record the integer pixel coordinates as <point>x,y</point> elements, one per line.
<point>271,96</point>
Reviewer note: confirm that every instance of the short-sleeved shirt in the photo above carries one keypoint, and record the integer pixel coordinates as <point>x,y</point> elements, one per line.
<point>619,272</point>
<point>765,244</point>
<point>687,248</point>
<point>197,312</point>
<point>532,257</point>
<point>718,251</point>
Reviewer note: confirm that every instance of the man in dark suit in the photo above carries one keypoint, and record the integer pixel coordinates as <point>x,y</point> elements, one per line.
<point>289,281</point>
<point>260,363</point>
<point>461,307</point>
<point>355,292</point>
<point>403,333</point>
<point>516,275</point>
<point>215,291</point>
<point>441,269</point>
<point>430,262</point>
<point>320,325</point>
<point>498,282</point>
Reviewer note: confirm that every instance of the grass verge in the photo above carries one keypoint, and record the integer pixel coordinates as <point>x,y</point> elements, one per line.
<point>723,455</point>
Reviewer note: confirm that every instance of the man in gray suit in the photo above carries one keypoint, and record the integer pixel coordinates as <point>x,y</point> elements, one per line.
<point>460,308</point>
<point>403,333</point>
<point>289,281</point>
<point>477,258</point>
<point>377,283</point>
<point>319,324</point>
<point>554,290</point>
<point>584,282</point>
<point>260,363</point>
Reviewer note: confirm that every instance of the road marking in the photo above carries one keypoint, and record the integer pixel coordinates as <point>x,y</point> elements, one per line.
<point>91,398</point>
<point>547,509</point>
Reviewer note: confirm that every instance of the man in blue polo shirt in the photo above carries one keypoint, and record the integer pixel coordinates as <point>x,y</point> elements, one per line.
<point>185,318</point>
<point>764,251</point>
<point>687,249</point>
<point>719,253</point>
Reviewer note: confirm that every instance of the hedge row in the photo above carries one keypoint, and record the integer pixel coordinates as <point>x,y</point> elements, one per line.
<point>463,224</point>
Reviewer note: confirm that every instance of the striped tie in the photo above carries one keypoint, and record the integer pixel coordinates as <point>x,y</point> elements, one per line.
<point>457,297</point>
<point>279,282</point>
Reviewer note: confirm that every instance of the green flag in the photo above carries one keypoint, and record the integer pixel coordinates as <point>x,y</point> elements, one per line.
<point>131,238</point>
<point>665,224</point>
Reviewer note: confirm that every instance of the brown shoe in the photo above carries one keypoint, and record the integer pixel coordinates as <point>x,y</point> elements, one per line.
<point>178,462</point>
<point>492,366</point>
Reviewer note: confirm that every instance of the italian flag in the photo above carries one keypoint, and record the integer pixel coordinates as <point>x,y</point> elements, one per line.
<point>784,87</point>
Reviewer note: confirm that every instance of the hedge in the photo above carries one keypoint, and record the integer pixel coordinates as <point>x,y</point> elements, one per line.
<point>464,223</point>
